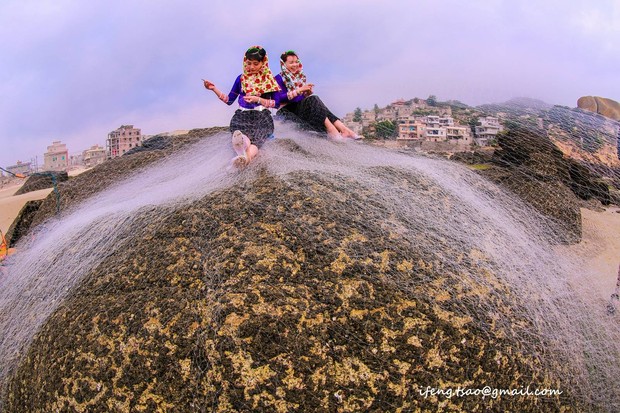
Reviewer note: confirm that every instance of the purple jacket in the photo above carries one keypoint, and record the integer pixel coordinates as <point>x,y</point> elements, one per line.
<point>237,92</point>
<point>281,98</point>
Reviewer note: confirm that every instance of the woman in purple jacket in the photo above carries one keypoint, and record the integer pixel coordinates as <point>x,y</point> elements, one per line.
<point>252,123</point>
<point>299,105</point>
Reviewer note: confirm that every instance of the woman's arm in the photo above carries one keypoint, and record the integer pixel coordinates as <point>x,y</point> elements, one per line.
<point>234,92</point>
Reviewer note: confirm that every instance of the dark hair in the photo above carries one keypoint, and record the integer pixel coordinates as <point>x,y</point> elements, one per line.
<point>256,53</point>
<point>288,53</point>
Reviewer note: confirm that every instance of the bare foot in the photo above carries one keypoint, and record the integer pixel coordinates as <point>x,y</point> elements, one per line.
<point>239,143</point>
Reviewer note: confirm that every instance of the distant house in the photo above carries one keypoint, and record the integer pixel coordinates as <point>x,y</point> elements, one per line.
<point>94,156</point>
<point>122,139</point>
<point>487,130</point>
<point>459,134</point>
<point>56,158</point>
<point>411,128</point>
<point>435,132</point>
<point>24,168</point>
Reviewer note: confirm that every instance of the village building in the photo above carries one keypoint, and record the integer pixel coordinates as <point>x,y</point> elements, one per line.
<point>56,158</point>
<point>23,168</point>
<point>487,130</point>
<point>94,156</point>
<point>122,139</point>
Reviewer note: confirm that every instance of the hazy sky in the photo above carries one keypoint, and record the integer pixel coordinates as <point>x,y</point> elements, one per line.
<point>76,70</point>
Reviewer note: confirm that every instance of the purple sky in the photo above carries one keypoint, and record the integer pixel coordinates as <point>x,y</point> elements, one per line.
<point>74,71</point>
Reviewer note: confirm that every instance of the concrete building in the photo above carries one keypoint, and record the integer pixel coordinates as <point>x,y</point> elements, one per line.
<point>411,128</point>
<point>122,139</point>
<point>24,168</point>
<point>459,135</point>
<point>94,156</point>
<point>76,160</point>
<point>56,158</point>
<point>487,130</point>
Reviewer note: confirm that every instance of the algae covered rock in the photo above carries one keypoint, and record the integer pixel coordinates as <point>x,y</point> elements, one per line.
<point>284,293</point>
<point>42,180</point>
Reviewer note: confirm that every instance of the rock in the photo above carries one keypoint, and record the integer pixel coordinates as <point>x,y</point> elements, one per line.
<point>23,221</point>
<point>603,106</point>
<point>549,197</point>
<point>282,294</point>
<point>158,142</point>
<point>472,157</point>
<point>586,185</point>
<point>530,165</point>
<point>297,292</point>
<point>42,180</point>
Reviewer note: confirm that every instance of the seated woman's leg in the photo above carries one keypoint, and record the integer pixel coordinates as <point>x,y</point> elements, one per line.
<point>289,113</point>
<point>315,113</point>
<point>332,131</point>
<point>256,125</point>
<point>345,131</point>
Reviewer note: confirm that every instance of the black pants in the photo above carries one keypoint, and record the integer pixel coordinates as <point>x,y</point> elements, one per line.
<point>309,114</point>
<point>256,124</point>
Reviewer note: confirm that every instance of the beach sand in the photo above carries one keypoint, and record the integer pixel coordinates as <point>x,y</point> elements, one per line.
<point>598,252</point>
<point>11,204</point>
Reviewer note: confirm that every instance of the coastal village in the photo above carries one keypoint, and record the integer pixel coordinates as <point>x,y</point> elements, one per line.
<point>58,159</point>
<point>418,122</point>
<point>425,124</point>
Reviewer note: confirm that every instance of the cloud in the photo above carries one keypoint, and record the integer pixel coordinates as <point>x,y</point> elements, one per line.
<point>74,71</point>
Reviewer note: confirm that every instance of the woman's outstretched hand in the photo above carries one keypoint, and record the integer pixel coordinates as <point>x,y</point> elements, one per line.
<point>208,84</point>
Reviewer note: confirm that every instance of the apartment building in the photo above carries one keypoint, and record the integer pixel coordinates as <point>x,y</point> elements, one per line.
<point>459,134</point>
<point>94,156</point>
<point>122,139</point>
<point>56,158</point>
<point>411,128</point>
<point>23,168</point>
<point>487,130</point>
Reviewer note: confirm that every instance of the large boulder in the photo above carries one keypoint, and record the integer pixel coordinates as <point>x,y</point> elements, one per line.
<point>603,106</point>
<point>279,295</point>
<point>42,180</point>
<point>528,164</point>
<point>310,290</point>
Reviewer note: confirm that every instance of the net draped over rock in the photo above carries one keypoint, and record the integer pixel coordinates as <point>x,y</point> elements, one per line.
<point>321,279</point>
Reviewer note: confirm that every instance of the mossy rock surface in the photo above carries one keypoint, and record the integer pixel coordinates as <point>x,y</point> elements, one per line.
<point>283,294</point>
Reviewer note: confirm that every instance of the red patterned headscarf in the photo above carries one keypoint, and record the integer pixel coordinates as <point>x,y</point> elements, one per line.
<point>292,80</point>
<point>257,84</point>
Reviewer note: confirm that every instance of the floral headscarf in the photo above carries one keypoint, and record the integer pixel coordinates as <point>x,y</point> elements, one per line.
<point>263,82</point>
<point>292,80</point>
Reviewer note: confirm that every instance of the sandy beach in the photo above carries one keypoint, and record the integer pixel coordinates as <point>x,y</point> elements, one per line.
<point>598,251</point>
<point>11,204</point>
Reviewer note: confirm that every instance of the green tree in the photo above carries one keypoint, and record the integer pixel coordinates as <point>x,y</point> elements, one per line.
<point>357,115</point>
<point>431,100</point>
<point>376,109</point>
<point>386,129</point>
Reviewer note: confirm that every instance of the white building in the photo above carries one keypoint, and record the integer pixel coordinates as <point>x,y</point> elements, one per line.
<point>459,134</point>
<point>487,130</point>
<point>23,168</point>
<point>94,156</point>
<point>56,158</point>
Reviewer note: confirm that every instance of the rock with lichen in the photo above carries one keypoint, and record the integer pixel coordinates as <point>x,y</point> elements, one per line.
<point>282,293</point>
